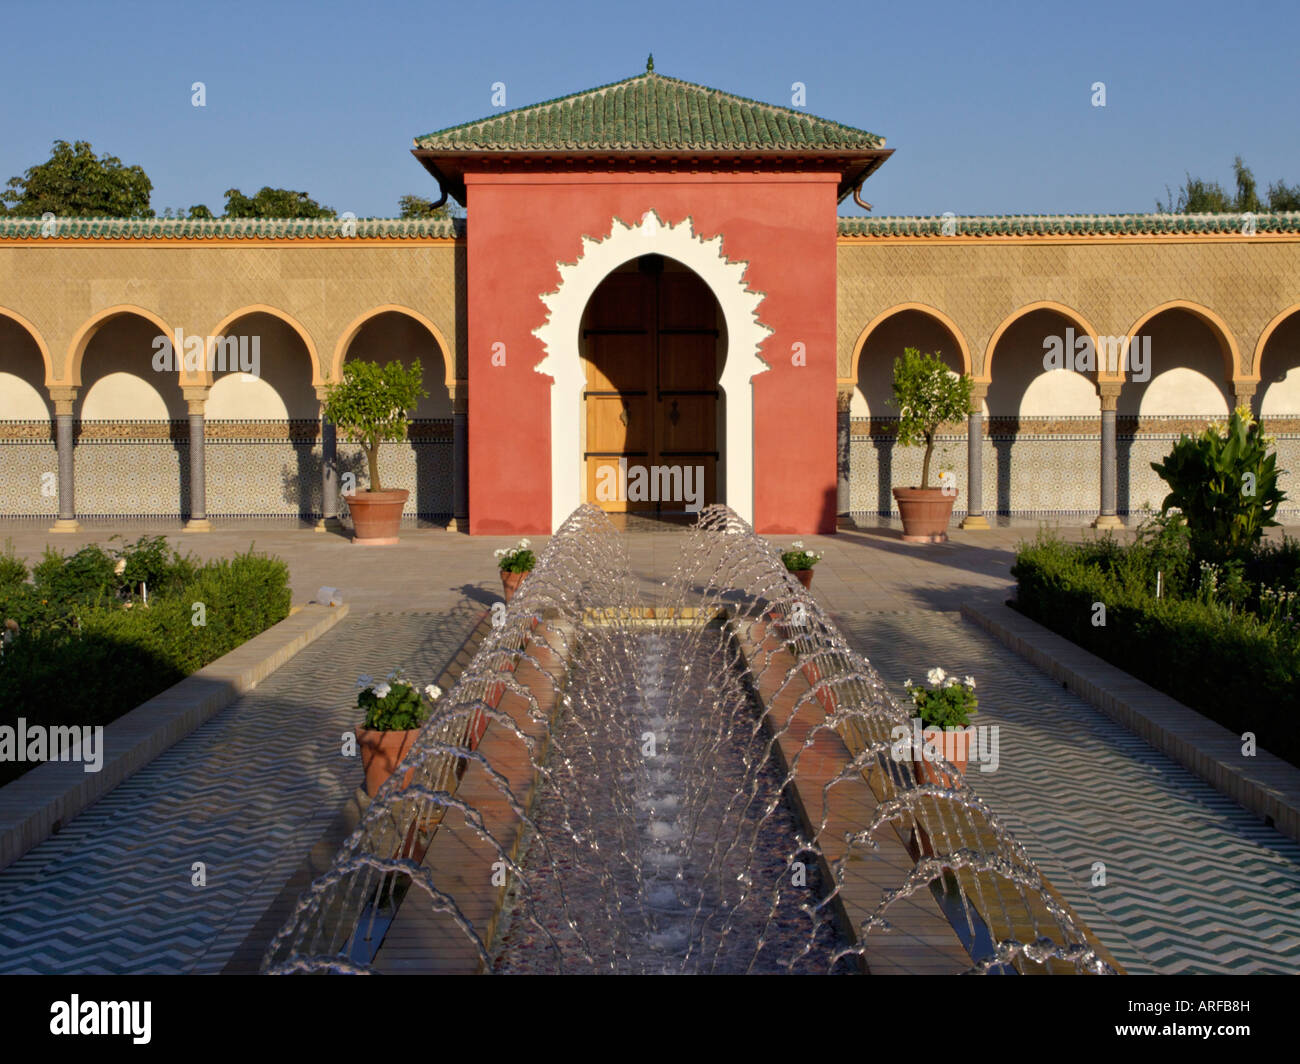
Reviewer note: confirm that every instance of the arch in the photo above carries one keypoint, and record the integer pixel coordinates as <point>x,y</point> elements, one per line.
<point>350,333</point>
<point>922,308</point>
<point>34,333</point>
<point>1227,343</point>
<point>275,312</point>
<point>1069,313</point>
<point>77,349</point>
<point>563,364</point>
<point>1264,337</point>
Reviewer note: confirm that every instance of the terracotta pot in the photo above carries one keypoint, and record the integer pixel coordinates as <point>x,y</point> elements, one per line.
<point>804,576</point>
<point>382,752</point>
<point>376,516</point>
<point>511,581</point>
<point>955,747</point>
<point>925,512</point>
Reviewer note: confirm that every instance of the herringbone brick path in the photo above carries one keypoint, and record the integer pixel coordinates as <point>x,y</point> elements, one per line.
<point>1194,883</point>
<point>247,794</point>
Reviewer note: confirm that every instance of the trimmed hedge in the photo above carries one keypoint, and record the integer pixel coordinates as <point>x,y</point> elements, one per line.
<point>115,655</point>
<point>1226,663</point>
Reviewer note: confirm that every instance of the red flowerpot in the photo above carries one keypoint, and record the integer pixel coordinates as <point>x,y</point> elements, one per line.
<point>510,582</point>
<point>382,752</point>
<point>804,576</point>
<point>925,512</point>
<point>955,748</point>
<point>376,516</point>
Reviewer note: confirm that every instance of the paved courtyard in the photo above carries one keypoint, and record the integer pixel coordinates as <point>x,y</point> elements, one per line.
<point>1194,883</point>
<point>247,794</point>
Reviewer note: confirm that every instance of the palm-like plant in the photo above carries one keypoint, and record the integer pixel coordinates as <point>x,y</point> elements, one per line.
<point>1224,481</point>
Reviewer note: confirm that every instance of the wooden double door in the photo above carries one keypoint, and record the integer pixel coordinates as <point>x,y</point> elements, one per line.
<point>651,347</point>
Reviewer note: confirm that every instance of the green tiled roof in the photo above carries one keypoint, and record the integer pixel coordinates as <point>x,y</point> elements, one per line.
<point>408,228</point>
<point>1070,224</point>
<point>651,112</point>
<point>228,228</point>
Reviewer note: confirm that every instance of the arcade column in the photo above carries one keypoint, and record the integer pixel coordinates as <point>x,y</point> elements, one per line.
<point>65,399</point>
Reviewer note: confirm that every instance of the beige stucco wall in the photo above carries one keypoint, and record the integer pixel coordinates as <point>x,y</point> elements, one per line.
<point>1110,282</point>
<point>61,286</point>
<point>307,297</point>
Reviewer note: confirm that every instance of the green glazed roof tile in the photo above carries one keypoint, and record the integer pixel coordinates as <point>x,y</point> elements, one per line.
<point>650,112</point>
<point>239,228</point>
<point>1072,225</point>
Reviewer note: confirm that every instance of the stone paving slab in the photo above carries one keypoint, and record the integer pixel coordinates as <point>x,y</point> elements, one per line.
<point>1194,883</point>
<point>1264,784</point>
<point>247,794</point>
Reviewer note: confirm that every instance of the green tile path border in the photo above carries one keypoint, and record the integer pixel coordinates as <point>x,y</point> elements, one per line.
<point>1264,784</point>
<point>40,802</point>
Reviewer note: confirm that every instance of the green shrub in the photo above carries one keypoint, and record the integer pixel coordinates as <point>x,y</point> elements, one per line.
<point>118,654</point>
<point>1224,482</point>
<point>149,561</point>
<point>85,578</point>
<point>13,570</point>
<point>1203,649</point>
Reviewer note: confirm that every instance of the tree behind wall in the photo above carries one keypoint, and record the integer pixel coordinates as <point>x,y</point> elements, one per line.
<point>1198,196</point>
<point>75,182</point>
<point>274,203</point>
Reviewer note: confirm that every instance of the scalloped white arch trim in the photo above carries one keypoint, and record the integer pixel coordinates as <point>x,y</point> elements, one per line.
<point>560,336</point>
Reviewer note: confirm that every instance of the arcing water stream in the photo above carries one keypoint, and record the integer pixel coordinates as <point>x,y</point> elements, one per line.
<point>699,784</point>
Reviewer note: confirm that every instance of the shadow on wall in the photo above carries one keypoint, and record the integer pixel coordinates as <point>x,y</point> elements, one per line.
<point>884,446</point>
<point>1002,448</point>
<point>302,486</point>
<point>1123,470</point>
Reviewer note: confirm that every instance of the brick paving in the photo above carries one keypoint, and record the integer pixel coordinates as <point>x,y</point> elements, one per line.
<point>247,794</point>
<point>1194,883</point>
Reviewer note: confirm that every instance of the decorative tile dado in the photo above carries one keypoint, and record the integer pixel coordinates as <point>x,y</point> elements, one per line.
<point>1170,426</point>
<point>26,431</point>
<point>304,430</point>
<point>177,431</point>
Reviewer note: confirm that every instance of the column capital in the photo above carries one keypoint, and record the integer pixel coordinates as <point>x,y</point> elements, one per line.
<point>322,390</point>
<point>196,397</point>
<point>844,388</point>
<point>459,392</point>
<point>979,391</point>
<point>1244,391</point>
<point>64,397</point>
<point>1109,393</point>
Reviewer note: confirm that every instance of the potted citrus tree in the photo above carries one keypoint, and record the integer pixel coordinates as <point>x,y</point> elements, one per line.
<point>928,394</point>
<point>395,711</point>
<point>945,707</point>
<point>800,562</point>
<point>515,563</point>
<point>369,405</point>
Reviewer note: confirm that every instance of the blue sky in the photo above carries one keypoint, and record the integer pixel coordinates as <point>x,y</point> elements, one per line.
<point>988,104</point>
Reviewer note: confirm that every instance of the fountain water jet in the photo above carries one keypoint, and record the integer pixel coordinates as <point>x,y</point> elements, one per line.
<point>702,784</point>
